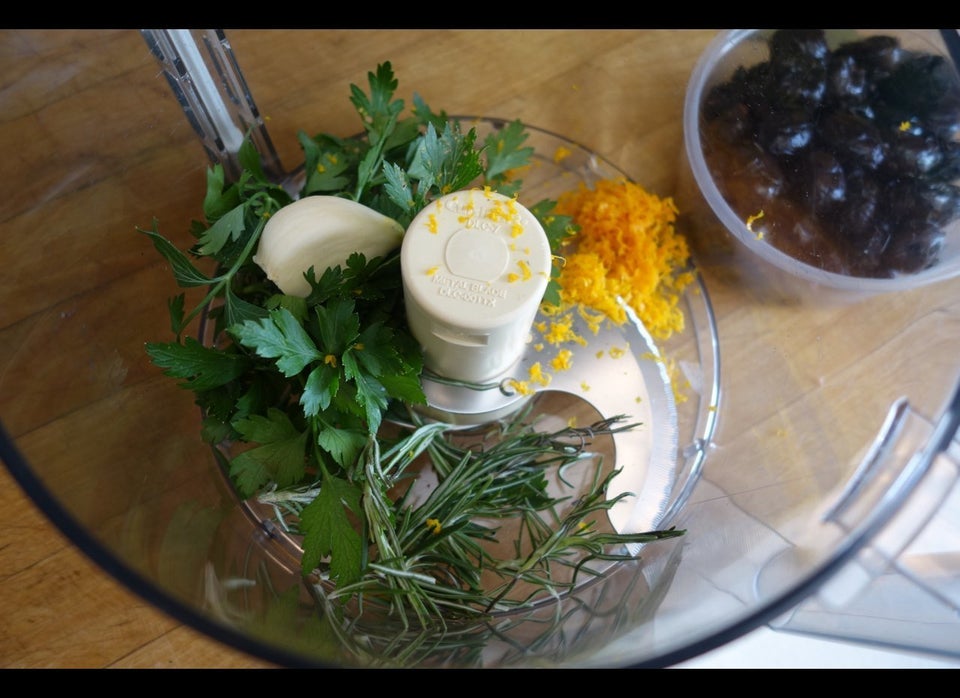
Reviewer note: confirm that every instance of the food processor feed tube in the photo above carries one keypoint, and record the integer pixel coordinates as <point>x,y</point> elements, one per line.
<point>203,74</point>
<point>475,266</point>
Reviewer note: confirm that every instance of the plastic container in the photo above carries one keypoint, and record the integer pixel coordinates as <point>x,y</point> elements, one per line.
<point>809,451</point>
<point>817,175</point>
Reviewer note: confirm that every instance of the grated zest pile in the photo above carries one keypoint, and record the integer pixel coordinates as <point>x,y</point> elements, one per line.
<point>626,246</point>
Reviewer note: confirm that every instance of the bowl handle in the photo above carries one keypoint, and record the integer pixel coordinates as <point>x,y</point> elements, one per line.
<point>896,582</point>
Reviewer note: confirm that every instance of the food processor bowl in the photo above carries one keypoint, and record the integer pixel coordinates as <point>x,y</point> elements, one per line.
<point>808,451</point>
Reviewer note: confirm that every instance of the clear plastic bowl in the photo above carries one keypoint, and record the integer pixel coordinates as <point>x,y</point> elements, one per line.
<point>814,462</point>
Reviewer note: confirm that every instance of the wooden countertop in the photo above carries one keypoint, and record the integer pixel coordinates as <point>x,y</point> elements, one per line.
<point>95,145</point>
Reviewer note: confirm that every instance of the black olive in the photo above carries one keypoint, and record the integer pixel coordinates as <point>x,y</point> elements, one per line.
<point>791,46</point>
<point>821,182</point>
<point>798,61</point>
<point>785,132</point>
<point>914,155</point>
<point>879,55</point>
<point>803,87</point>
<point>922,88</point>
<point>754,177</point>
<point>751,86</point>
<point>914,250</point>
<point>949,168</point>
<point>854,139</point>
<point>942,202</point>
<point>856,216</point>
<point>846,80</point>
<point>726,105</point>
<point>765,175</point>
<point>721,98</point>
<point>933,203</point>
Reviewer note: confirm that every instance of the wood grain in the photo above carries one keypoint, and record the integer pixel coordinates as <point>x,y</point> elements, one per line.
<point>96,147</point>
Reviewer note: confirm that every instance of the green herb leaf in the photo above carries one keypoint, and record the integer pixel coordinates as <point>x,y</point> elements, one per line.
<point>559,230</point>
<point>230,226</point>
<point>185,273</point>
<point>399,188</point>
<point>200,367</point>
<point>249,158</point>
<point>321,387</point>
<point>219,198</point>
<point>328,531</point>
<point>279,336</point>
<point>327,162</point>
<point>425,115</point>
<point>379,110</point>
<point>338,325</point>
<point>447,162</point>
<point>345,445</point>
<point>379,113</point>
<point>371,394</point>
<point>175,307</point>
<point>239,311</point>
<point>503,150</point>
<point>279,458</point>
<point>405,386</point>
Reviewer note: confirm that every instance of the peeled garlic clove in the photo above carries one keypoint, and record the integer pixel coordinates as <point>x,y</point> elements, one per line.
<point>322,232</point>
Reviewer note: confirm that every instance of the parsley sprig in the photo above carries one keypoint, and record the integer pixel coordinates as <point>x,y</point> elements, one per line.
<point>296,391</point>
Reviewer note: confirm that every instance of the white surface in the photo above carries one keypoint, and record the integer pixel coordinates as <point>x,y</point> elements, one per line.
<point>775,649</point>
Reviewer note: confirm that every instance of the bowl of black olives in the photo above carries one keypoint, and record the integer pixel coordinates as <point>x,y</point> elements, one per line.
<point>834,155</point>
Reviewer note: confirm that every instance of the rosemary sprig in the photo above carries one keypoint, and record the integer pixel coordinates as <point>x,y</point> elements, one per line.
<point>431,558</point>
